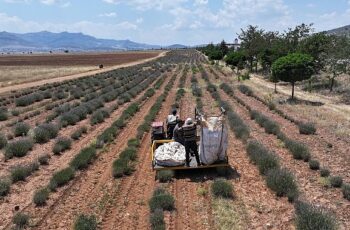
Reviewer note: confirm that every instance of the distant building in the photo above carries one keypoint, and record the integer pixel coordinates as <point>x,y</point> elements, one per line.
<point>236,45</point>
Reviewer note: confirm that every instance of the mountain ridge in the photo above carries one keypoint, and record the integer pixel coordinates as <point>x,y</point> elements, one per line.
<point>340,31</point>
<point>49,41</point>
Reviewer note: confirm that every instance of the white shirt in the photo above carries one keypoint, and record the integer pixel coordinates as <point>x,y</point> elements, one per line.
<point>171,118</point>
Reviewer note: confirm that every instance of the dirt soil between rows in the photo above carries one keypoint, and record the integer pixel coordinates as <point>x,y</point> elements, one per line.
<point>257,206</point>
<point>130,209</point>
<point>193,211</point>
<point>123,203</point>
<point>22,192</point>
<point>308,180</point>
<point>94,191</point>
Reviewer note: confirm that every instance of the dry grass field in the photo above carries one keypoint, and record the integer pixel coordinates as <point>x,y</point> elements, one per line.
<point>333,115</point>
<point>12,75</point>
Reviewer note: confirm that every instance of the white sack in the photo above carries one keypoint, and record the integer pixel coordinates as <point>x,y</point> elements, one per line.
<point>214,139</point>
<point>170,154</point>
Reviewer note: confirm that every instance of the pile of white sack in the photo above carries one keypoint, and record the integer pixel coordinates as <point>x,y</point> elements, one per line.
<point>170,154</point>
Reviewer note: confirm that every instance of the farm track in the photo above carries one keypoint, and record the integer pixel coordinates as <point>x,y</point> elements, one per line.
<point>130,208</point>
<point>22,192</point>
<point>308,180</point>
<point>94,190</point>
<point>74,76</point>
<point>256,205</point>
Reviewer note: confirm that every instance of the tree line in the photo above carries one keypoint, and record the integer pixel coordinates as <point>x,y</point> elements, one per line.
<point>294,55</point>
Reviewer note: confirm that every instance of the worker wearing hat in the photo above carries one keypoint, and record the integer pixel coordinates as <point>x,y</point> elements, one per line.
<point>189,134</point>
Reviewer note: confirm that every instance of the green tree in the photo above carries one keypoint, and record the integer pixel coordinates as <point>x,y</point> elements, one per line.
<point>252,44</point>
<point>208,48</point>
<point>292,68</point>
<point>274,49</point>
<point>215,54</point>
<point>223,47</point>
<point>235,59</point>
<point>316,45</point>
<point>337,58</point>
<point>266,59</point>
<point>293,37</point>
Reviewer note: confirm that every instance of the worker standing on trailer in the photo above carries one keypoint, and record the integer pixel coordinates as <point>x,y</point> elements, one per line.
<point>189,132</point>
<point>171,122</point>
<point>178,135</point>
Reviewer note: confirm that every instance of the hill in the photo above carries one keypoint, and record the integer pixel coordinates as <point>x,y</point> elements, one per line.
<point>344,30</point>
<point>45,41</point>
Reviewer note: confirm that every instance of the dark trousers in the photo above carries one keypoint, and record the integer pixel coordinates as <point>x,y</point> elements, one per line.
<point>191,146</point>
<point>170,131</point>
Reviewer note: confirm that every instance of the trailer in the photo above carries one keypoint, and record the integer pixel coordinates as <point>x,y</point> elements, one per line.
<point>201,137</point>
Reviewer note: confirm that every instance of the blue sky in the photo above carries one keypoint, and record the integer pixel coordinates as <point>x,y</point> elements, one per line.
<point>167,22</point>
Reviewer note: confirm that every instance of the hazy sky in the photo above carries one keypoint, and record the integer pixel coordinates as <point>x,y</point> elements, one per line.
<point>169,21</point>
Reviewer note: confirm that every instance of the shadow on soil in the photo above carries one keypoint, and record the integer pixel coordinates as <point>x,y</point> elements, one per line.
<point>297,101</point>
<point>207,174</point>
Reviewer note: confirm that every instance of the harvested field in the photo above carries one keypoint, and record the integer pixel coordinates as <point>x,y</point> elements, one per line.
<point>105,171</point>
<point>78,59</point>
<point>33,68</point>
